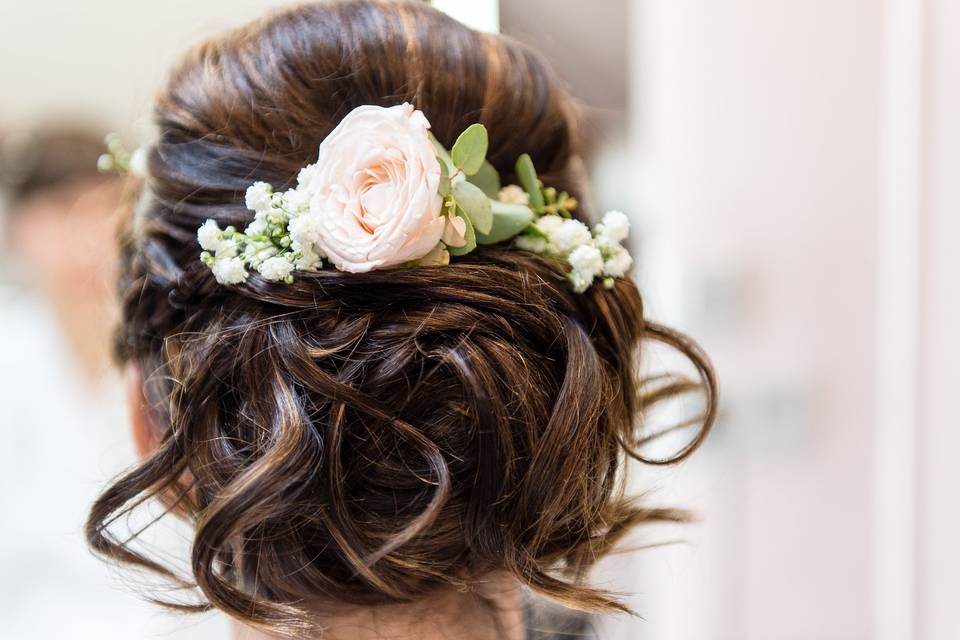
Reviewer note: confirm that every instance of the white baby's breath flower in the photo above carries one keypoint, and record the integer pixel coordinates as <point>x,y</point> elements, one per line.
<point>308,259</point>
<point>228,248</point>
<point>304,230</point>
<point>581,280</point>
<point>570,235</point>
<point>297,201</point>
<point>276,268</point>
<point>105,163</point>
<point>586,259</point>
<point>209,236</point>
<point>549,224</point>
<point>613,228</point>
<point>513,194</point>
<point>138,163</point>
<point>303,241</point>
<point>306,175</point>
<point>255,253</point>
<point>618,263</point>
<point>529,242</point>
<point>259,197</point>
<point>257,227</point>
<point>229,271</point>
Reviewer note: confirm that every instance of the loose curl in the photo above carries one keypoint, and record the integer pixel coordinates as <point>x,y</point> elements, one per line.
<point>374,438</point>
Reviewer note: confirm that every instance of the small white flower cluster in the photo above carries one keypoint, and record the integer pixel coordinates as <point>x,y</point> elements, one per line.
<point>590,254</point>
<point>277,241</point>
<point>513,194</point>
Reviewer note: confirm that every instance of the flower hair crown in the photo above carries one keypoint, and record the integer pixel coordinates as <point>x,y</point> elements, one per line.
<point>385,193</point>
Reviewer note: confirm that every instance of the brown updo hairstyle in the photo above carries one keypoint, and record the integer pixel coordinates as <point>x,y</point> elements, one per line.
<point>374,438</point>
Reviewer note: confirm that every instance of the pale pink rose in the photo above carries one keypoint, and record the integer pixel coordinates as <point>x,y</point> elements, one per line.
<point>375,198</point>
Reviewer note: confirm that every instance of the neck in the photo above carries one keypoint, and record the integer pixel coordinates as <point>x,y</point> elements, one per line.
<point>494,611</point>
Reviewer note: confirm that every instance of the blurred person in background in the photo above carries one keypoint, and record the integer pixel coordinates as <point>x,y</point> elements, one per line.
<point>59,226</point>
<point>63,412</point>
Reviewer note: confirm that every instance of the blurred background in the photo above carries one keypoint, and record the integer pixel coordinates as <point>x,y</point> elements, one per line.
<point>791,167</point>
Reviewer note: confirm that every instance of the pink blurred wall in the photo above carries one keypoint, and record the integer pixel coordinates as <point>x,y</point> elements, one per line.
<point>938,478</point>
<point>790,157</point>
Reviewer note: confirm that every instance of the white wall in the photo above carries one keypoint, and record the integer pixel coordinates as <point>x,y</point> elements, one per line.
<point>100,60</point>
<point>756,125</point>
<point>798,174</point>
<point>938,484</point>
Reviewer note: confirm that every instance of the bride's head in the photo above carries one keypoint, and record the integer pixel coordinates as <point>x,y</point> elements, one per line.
<point>361,439</point>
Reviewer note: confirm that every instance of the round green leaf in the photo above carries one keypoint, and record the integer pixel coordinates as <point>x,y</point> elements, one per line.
<point>475,203</point>
<point>488,179</point>
<point>508,221</point>
<point>445,186</point>
<point>470,149</point>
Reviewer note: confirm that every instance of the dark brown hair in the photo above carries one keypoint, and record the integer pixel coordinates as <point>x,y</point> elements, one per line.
<point>373,438</point>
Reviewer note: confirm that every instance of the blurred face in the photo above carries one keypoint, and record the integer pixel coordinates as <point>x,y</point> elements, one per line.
<point>62,240</point>
<point>64,237</point>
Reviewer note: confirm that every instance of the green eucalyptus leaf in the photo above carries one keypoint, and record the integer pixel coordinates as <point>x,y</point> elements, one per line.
<point>475,203</point>
<point>445,186</point>
<point>442,154</point>
<point>470,235</point>
<point>508,221</point>
<point>470,149</point>
<point>488,179</point>
<point>527,176</point>
<point>534,230</point>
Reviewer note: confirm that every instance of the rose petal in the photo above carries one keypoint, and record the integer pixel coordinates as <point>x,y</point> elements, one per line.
<point>454,231</point>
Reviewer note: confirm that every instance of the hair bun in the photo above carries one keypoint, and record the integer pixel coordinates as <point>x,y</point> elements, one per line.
<point>372,437</point>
